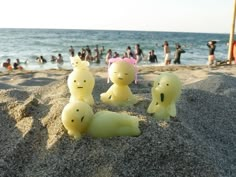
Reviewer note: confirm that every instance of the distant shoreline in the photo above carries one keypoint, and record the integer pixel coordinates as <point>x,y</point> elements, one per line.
<point>141,68</point>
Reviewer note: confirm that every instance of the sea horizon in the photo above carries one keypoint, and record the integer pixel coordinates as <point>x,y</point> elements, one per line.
<point>128,30</point>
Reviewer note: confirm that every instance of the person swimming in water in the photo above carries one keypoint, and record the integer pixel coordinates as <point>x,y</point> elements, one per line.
<point>41,59</point>
<point>7,63</point>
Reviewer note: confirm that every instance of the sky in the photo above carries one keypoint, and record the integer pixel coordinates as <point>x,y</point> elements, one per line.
<point>211,16</point>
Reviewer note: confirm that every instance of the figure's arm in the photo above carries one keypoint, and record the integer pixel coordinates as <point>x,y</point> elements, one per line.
<point>182,51</point>
<point>172,110</point>
<point>208,45</point>
<point>106,96</point>
<point>131,97</point>
<point>151,107</point>
<point>76,135</point>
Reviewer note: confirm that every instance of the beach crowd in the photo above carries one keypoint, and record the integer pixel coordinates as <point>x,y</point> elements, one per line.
<point>97,54</point>
<point>136,53</point>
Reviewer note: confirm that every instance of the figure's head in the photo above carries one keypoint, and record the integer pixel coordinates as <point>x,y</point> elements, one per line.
<point>166,88</point>
<point>76,116</point>
<point>165,43</point>
<point>122,73</point>
<point>177,46</point>
<point>80,82</point>
<point>77,63</point>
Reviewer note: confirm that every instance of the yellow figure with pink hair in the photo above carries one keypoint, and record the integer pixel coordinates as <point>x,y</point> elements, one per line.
<point>121,73</point>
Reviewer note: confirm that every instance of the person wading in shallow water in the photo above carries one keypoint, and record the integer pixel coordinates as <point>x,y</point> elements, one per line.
<point>178,52</point>
<point>7,63</point>
<point>72,51</point>
<point>211,56</point>
<point>138,53</point>
<point>152,57</point>
<point>166,49</point>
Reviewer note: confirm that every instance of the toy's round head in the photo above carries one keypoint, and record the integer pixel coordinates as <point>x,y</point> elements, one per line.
<point>122,73</point>
<point>77,63</point>
<point>76,116</point>
<point>166,88</point>
<point>80,82</point>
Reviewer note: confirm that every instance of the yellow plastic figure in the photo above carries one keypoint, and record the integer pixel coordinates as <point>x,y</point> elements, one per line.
<point>165,92</point>
<point>121,74</point>
<point>78,119</point>
<point>81,83</point>
<point>108,124</point>
<point>77,63</point>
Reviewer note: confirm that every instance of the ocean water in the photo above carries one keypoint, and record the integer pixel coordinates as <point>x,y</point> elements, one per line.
<point>27,44</point>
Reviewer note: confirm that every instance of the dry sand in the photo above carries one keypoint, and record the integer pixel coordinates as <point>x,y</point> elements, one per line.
<point>200,141</point>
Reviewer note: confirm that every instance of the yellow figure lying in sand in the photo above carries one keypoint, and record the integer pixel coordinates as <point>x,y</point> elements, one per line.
<point>121,74</point>
<point>165,92</point>
<point>81,83</point>
<point>78,119</point>
<point>76,116</point>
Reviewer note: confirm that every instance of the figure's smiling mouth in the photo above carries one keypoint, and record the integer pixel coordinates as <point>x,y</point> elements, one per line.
<point>120,78</point>
<point>79,87</point>
<point>162,97</point>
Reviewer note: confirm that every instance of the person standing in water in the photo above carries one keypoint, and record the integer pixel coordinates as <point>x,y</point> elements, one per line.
<point>72,51</point>
<point>167,59</point>
<point>138,53</point>
<point>108,56</point>
<point>129,52</point>
<point>211,56</point>
<point>60,59</point>
<point>152,57</point>
<point>178,52</point>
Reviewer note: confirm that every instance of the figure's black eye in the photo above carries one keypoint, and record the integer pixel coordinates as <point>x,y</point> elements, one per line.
<point>82,118</point>
<point>167,84</point>
<point>156,103</point>
<point>76,62</point>
<point>77,110</point>
<point>74,80</point>
<point>84,80</point>
<point>158,83</point>
<point>72,120</point>
<point>126,73</point>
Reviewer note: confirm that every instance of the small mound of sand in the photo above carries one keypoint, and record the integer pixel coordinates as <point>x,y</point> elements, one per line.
<point>200,141</point>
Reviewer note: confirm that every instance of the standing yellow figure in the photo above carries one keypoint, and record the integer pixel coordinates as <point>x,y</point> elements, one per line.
<point>121,74</point>
<point>78,119</point>
<point>81,83</point>
<point>165,92</point>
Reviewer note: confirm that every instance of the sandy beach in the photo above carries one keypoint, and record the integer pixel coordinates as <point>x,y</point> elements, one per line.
<point>200,141</point>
